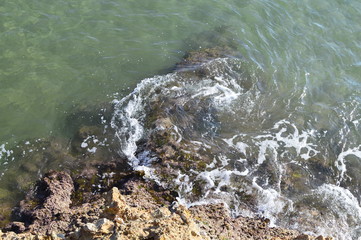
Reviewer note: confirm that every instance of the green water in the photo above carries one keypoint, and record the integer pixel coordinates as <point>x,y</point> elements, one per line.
<point>55,56</point>
<point>60,56</point>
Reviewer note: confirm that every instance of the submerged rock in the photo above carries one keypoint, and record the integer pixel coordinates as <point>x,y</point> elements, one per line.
<point>90,143</point>
<point>172,123</point>
<point>194,59</point>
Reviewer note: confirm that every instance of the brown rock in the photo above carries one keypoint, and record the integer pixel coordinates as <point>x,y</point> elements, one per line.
<point>303,237</point>
<point>323,238</point>
<point>216,221</point>
<point>115,203</point>
<point>47,208</point>
<point>104,226</point>
<point>17,227</point>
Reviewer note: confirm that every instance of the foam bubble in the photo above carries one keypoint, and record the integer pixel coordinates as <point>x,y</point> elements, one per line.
<point>278,142</point>
<point>271,203</point>
<point>264,147</point>
<point>341,161</point>
<point>297,140</point>
<point>92,150</point>
<point>92,140</point>
<point>4,153</point>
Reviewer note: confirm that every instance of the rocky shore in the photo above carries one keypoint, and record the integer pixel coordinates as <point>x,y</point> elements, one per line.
<point>133,208</point>
<point>96,194</point>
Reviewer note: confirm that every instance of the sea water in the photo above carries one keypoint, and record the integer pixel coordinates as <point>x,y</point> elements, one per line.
<point>303,108</point>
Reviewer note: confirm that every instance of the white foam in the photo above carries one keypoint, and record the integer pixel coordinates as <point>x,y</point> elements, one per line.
<point>2,150</point>
<point>222,95</point>
<point>297,140</point>
<point>264,147</point>
<point>182,180</point>
<point>92,150</point>
<point>83,145</point>
<point>201,144</point>
<point>206,91</point>
<point>129,115</point>
<point>271,203</point>
<point>342,198</point>
<point>5,158</point>
<point>149,173</point>
<point>283,134</point>
<point>341,161</point>
<point>89,142</point>
<point>344,213</point>
<point>178,134</point>
<point>217,178</point>
<point>4,153</point>
<point>240,146</point>
<point>134,129</point>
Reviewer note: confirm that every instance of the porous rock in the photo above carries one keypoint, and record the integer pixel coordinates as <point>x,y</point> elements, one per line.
<point>47,208</point>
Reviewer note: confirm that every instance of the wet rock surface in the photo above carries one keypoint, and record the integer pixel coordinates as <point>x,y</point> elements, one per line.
<point>194,59</point>
<point>182,119</point>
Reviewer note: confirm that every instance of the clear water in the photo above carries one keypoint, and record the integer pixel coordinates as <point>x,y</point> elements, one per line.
<point>58,56</point>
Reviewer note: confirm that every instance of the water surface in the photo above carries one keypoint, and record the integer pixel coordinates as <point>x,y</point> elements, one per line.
<point>57,57</point>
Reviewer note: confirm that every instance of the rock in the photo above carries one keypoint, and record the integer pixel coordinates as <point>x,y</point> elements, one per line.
<point>16,227</point>
<point>22,236</point>
<point>194,59</point>
<point>90,228</point>
<point>182,122</point>
<point>59,187</point>
<point>104,226</point>
<point>323,238</point>
<point>114,199</point>
<point>99,177</point>
<point>137,209</point>
<point>161,213</point>
<point>215,220</point>
<point>115,204</point>
<point>35,157</point>
<point>47,207</point>
<point>303,237</point>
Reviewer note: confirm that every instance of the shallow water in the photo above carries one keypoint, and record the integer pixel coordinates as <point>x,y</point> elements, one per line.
<point>58,57</point>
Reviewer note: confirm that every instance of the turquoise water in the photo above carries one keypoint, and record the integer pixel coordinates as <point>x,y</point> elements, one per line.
<point>56,57</point>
